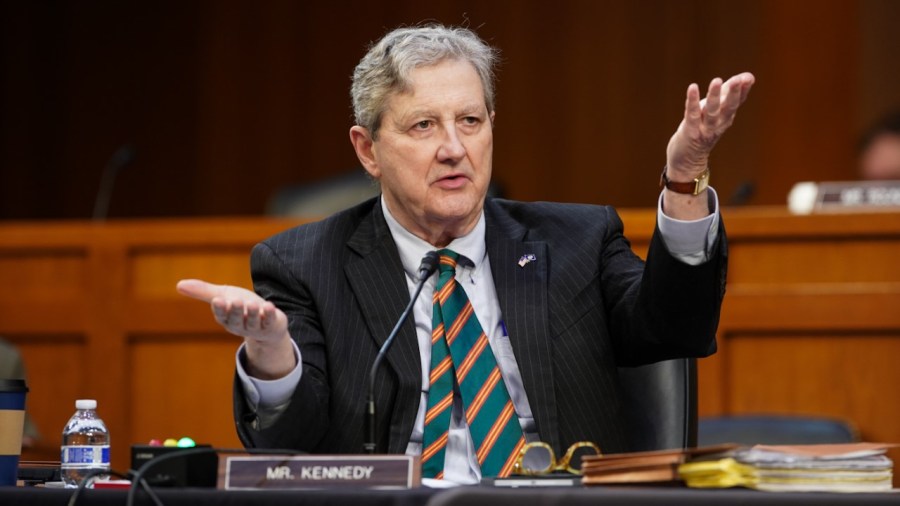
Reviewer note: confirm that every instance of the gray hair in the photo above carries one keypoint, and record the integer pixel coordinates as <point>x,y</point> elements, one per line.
<point>386,66</point>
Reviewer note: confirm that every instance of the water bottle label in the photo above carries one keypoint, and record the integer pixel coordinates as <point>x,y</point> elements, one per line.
<point>84,456</point>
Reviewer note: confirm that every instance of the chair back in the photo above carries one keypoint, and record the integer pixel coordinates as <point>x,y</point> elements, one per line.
<point>776,430</point>
<point>660,402</point>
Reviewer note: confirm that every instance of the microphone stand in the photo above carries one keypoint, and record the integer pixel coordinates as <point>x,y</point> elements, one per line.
<point>426,269</point>
<point>121,158</point>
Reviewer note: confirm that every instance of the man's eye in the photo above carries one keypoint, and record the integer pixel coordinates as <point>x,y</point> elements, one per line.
<point>471,120</point>
<point>424,124</point>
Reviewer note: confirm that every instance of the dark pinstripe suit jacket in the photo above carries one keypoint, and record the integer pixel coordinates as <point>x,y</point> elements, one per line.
<point>586,305</point>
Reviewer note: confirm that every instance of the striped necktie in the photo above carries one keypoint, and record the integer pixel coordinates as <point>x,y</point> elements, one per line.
<point>461,357</point>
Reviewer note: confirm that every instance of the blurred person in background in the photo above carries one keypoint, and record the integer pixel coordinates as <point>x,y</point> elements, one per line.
<point>879,149</point>
<point>12,367</point>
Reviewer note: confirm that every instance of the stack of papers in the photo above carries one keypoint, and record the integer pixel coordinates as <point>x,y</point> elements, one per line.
<point>659,466</point>
<point>854,467</point>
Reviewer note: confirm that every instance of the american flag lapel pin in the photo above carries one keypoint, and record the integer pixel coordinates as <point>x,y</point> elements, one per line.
<point>525,259</point>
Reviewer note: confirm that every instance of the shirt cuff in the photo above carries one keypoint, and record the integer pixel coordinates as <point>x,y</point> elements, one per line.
<point>263,394</point>
<point>690,241</point>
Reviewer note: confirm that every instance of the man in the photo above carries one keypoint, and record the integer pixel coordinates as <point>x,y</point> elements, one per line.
<point>13,367</point>
<point>555,288</point>
<point>879,149</point>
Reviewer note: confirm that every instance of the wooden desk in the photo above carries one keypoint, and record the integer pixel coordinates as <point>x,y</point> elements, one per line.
<point>462,496</point>
<point>810,325</point>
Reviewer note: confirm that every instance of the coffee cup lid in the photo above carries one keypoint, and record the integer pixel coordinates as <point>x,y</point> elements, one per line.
<point>13,385</point>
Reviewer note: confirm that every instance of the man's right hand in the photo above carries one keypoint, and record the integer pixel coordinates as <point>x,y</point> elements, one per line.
<point>243,313</point>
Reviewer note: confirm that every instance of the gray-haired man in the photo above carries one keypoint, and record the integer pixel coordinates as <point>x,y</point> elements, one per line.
<point>555,288</point>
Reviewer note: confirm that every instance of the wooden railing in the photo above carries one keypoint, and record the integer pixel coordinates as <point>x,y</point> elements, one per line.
<point>811,322</point>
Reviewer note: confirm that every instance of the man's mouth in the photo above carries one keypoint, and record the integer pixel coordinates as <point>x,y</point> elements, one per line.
<point>451,181</point>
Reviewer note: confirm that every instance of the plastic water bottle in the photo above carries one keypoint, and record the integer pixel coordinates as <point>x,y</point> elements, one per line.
<point>85,444</point>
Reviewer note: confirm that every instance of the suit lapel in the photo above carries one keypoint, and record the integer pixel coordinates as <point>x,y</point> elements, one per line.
<point>378,282</point>
<point>523,295</point>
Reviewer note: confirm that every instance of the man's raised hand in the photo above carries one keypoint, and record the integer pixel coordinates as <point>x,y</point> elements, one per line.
<point>704,123</point>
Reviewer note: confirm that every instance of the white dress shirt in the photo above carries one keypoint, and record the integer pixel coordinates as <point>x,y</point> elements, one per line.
<point>689,241</point>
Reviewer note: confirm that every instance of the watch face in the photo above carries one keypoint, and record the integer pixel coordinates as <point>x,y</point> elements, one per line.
<point>702,182</point>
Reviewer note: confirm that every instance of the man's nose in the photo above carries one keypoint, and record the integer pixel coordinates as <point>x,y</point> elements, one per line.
<point>452,149</point>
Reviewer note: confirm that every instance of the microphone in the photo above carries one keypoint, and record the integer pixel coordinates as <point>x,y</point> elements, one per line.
<point>742,194</point>
<point>426,269</point>
<point>119,160</point>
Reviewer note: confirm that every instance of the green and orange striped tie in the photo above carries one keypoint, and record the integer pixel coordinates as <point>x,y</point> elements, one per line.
<point>461,355</point>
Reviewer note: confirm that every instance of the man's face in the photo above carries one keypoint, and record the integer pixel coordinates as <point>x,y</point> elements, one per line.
<point>433,152</point>
<point>881,160</point>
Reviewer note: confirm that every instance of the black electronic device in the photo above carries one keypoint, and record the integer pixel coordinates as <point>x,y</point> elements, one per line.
<point>194,469</point>
<point>32,473</point>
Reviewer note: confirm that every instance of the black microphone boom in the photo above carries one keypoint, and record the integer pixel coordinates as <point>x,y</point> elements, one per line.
<point>119,160</point>
<point>426,269</point>
<point>742,194</point>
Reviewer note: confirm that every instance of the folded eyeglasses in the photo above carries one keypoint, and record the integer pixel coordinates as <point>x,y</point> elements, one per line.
<point>537,458</point>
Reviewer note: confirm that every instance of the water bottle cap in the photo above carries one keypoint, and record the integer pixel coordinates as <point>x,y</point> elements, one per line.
<point>86,404</point>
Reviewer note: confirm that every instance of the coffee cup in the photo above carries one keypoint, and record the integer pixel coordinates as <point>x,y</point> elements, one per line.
<point>12,423</point>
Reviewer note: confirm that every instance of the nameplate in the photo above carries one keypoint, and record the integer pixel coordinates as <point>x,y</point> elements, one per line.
<point>845,196</point>
<point>860,194</point>
<point>268,472</point>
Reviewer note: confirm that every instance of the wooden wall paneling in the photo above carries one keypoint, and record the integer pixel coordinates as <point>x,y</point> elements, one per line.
<point>226,102</point>
<point>181,386</point>
<point>55,379</point>
<point>811,302</point>
<point>787,262</point>
<point>182,376</point>
<point>154,272</point>
<point>816,373</point>
<point>182,364</point>
<point>45,275</point>
<point>806,130</point>
<point>44,288</point>
<point>106,368</point>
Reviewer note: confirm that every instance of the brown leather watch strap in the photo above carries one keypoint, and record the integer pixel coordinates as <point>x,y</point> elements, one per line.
<point>688,187</point>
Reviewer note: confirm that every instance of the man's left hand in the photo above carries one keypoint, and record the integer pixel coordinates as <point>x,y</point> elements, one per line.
<point>704,123</point>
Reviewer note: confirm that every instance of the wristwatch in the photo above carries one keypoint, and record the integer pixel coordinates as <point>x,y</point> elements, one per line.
<point>688,188</point>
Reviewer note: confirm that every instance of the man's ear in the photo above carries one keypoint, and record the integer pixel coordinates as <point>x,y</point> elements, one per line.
<point>364,145</point>
<point>493,115</point>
